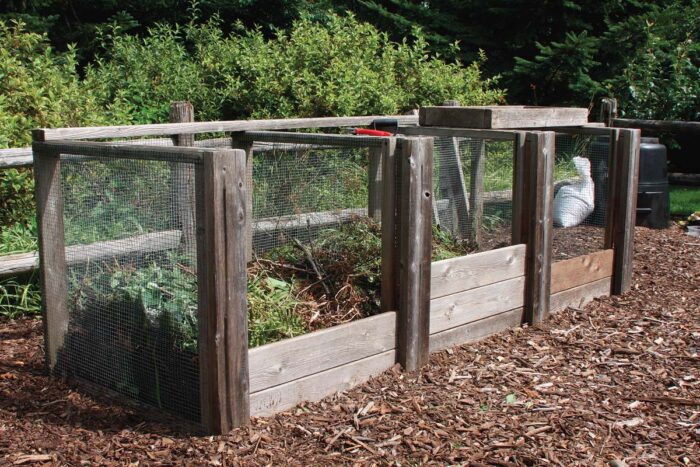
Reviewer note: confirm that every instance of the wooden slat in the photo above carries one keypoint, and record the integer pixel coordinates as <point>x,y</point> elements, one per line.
<point>122,150</point>
<point>54,274</point>
<point>15,158</point>
<point>581,295</point>
<point>540,171</point>
<point>290,359</point>
<point>625,213</point>
<point>461,308</point>
<point>460,274</point>
<point>222,311</point>
<point>497,135</point>
<point>319,385</point>
<point>415,238</point>
<point>581,270</point>
<point>476,330</point>
<point>659,126</point>
<point>507,116</point>
<point>182,178</point>
<point>390,255</point>
<point>476,193</point>
<point>613,192</point>
<point>238,141</point>
<point>314,139</point>
<point>129,131</point>
<point>374,180</point>
<point>520,195</point>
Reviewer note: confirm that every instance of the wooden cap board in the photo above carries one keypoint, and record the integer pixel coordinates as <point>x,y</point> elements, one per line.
<point>502,117</point>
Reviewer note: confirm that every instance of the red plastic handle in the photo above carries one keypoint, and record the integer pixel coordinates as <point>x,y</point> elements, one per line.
<point>367,132</point>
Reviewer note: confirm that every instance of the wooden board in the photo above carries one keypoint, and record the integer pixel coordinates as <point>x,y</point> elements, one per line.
<point>581,270</point>
<point>23,263</point>
<point>496,135</point>
<point>464,273</point>
<point>18,157</point>
<point>290,359</point>
<point>476,330</point>
<point>475,304</point>
<point>581,295</point>
<point>319,385</point>
<point>160,129</point>
<point>507,116</point>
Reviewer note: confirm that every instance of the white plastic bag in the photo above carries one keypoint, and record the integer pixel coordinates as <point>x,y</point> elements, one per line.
<point>574,202</point>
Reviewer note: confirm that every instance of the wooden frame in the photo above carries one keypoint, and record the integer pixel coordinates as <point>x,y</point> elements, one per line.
<point>502,116</point>
<point>221,264</point>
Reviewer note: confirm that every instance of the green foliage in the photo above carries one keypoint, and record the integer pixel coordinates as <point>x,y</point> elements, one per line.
<point>684,200</point>
<point>16,197</point>
<point>271,310</point>
<point>19,297</point>
<point>18,238</point>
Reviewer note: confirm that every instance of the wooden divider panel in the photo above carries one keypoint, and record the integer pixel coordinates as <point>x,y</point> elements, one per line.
<point>476,330</point>
<point>581,270</point>
<point>581,295</point>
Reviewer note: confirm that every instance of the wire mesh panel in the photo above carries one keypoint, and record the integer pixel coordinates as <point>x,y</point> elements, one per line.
<point>132,284</point>
<point>473,180</point>
<point>580,194</point>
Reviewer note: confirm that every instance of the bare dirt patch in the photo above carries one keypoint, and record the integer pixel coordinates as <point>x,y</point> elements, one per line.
<point>618,380</point>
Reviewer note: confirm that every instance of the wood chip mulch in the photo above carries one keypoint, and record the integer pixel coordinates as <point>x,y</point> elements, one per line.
<point>615,383</point>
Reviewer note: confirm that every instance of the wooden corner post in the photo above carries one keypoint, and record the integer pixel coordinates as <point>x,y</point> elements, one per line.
<point>389,213</point>
<point>537,213</point>
<point>624,208</point>
<point>238,141</point>
<point>52,252</point>
<point>182,178</point>
<point>414,228</point>
<point>223,316</point>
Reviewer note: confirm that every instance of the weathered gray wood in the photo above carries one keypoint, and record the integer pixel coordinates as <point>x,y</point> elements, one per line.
<point>390,274</point>
<point>659,126</point>
<point>290,359</point>
<point>374,177</point>
<point>130,131</point>
<point>507,116</point>
<point>476,193</point>
<point>581,295</point>
<point>676,178</point>
<point>313,139</point>
<point>613,194</point>
<point>223,332</point>
<point>520,195</point>
<point>581,270</point>
<point>22,263</point>
<point>239,141</point>
<point>415,235</point>
<point>182,178</point>
<point>540,162</point>
<point>15,158</point>
<point>608,110</point>
<point>625,212</point>
<point>476,330</point>
<point>455,275</point>
<point>319,385</point>
<point>496,135</point>
<point>461,308</point>
<point>54,274</point>
<point>87,149</point>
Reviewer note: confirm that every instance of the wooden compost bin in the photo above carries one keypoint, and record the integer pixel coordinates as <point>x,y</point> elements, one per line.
<point>425,307</point>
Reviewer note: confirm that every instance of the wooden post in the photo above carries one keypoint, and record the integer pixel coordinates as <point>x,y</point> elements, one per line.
<point>238,142</point>
<point>476,193</point>
<point>223,315</point>
<point>613,168</point>
<point>519,219</point>
<point>608,110</point>
<point>453,186</point>
<point>182,178</point>
<point>389,211</point>
<point>625,209</point>
<point>374,201</point>
<point>415,235</point>
<point>52,253</point>
<point>539,157</point>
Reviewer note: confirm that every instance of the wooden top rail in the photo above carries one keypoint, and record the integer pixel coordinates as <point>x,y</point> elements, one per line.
<point>313,138</point>
<point>670,126</point>
<point>19,157</point>
<point>163,129</point>
<point>499,135</point>
<point>81,149</point>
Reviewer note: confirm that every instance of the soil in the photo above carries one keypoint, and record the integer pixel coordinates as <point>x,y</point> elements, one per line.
<point>615,383</point>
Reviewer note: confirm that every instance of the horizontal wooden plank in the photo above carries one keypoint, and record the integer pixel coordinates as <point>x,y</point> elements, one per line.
<point>319,385</point>
<point>18,157</point>
<point>468,272</point>
<point>581,270</point>
<point>579,296</point>
<point>22,263</point>
<point>659,126</point>
<point>122,150</point>
<point>314,138</point>
<point>129,131</point>
<point>461,308</point>
<point>502,117</point>
<point>280,362</point>
<point>497,135</point>
<point>476,330</point>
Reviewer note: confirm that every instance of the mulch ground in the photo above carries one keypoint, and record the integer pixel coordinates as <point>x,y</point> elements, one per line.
<point>616,383</point>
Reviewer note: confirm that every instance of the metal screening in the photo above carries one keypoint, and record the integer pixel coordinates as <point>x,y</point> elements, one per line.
<point>473,183</point>
<point>580,194</point>
<point>132,285</point>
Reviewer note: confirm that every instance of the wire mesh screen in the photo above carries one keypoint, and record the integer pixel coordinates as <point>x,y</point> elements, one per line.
<point>132,285</point>
<point>580,194</point>
<point>473,183</point>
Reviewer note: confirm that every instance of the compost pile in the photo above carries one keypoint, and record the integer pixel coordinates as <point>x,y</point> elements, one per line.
<point>616,381</point>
